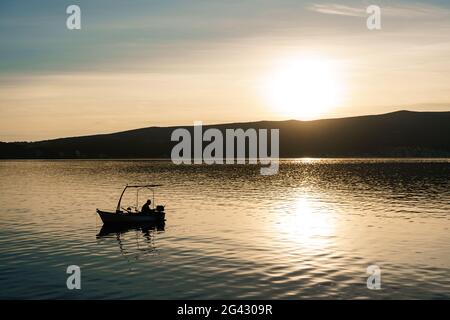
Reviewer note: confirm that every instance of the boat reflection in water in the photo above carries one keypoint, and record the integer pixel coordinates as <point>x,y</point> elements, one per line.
<point>135,241</point>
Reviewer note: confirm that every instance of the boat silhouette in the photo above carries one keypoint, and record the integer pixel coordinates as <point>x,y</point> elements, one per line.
<point>133,214</point>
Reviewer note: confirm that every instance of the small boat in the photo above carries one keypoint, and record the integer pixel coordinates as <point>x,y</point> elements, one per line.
<point>133,214</point>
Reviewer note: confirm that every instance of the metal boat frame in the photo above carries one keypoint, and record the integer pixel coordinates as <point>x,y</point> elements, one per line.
<point>128,216</point>
<point>138,188</point>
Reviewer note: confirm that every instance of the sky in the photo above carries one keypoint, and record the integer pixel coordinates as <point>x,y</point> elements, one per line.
<point>140,63</point>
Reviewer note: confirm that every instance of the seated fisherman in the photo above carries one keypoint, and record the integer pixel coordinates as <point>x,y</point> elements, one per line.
<point>146,207</point>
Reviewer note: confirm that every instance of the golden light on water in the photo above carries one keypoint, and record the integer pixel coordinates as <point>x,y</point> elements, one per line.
<point>307,225</point>
<point>304,88</point>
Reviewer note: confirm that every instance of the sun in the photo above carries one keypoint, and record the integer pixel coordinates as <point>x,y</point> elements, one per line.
<point>303,88</point>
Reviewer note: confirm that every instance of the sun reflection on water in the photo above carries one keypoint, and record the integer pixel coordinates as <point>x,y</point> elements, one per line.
<point>307,223</point>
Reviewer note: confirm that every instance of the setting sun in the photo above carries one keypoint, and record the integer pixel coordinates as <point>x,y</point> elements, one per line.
<point>303,88</point>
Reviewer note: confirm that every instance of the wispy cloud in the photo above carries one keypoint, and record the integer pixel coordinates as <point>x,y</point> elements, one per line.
<point>405,11</point>
<point>337,9</point>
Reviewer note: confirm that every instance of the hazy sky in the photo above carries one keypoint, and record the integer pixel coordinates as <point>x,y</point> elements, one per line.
<point>140,63</point>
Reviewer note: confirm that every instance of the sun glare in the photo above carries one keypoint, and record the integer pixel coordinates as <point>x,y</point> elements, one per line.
<point>307,224</point>
<point>303,89</point>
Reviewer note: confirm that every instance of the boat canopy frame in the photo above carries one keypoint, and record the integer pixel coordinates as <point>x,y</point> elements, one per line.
<point>138,188</point>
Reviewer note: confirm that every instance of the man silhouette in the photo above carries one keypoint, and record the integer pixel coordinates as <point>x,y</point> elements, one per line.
<point>146,207</point>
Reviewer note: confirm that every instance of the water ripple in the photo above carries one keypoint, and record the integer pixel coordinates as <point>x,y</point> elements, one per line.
<point>309,232</point>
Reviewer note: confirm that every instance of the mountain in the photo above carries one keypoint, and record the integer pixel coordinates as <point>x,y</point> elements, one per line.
<point>397,134</point>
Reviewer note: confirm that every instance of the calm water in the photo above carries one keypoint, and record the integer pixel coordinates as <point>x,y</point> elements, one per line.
<point>309,232</point>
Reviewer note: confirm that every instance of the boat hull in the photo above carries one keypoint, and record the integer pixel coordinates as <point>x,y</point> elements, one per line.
<point>124,218</point>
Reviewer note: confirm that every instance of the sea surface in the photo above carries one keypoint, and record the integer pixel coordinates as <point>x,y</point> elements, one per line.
<point>311,231</point>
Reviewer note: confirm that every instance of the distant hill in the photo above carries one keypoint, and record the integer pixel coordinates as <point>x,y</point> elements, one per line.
<point>397,134</point>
